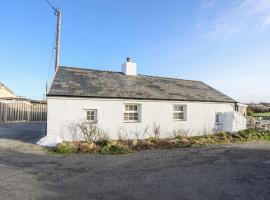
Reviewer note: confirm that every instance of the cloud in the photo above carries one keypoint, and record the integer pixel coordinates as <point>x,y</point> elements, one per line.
<point>235,17</point>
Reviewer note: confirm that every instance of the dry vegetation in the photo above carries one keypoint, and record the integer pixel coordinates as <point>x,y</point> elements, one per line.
<point>103,145</point>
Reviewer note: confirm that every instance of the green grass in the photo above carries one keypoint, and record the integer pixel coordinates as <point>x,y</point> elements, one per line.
<point>225,138</point>
<point>266,114</point>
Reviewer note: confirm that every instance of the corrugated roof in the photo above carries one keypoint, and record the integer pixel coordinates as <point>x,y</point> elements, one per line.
<point>79,82</point>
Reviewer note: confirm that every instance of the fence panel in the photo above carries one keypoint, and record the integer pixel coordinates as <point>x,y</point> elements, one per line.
<point>22,111</point>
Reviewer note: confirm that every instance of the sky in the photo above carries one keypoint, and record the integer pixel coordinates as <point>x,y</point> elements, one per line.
<point>224,43</point>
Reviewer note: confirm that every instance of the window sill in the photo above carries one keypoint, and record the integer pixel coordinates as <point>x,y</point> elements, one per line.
<point>137,121</point>
<point>179,120</point>
<point>90,122</point>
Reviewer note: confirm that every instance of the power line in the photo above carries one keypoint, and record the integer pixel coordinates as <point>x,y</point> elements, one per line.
<point>51,5</point>
<point>51,59</point>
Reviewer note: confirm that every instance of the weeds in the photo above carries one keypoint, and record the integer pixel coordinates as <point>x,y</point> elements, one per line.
<point>123,145</point>
<point>155,131</point>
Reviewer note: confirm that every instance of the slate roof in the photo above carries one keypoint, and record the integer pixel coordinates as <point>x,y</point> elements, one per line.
<point>79,82</point>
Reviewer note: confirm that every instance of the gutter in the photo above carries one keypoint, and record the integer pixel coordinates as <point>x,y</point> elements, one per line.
<point>136,98</point>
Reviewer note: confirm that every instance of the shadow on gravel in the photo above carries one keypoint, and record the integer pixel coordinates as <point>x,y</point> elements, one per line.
<point>24,132</point>
<point>238,171</point>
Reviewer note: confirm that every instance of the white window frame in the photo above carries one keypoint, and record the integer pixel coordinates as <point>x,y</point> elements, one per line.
<point>138,111</point>
<point>184,111</point>
<point>95,115</point>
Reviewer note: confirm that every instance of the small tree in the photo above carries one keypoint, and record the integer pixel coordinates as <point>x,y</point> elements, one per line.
<point>91,132</point>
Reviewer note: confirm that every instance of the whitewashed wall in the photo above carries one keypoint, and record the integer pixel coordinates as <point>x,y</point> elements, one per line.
<point>64,113</point>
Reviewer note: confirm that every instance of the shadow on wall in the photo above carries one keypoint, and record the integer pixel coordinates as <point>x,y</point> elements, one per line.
<point>71,132</point>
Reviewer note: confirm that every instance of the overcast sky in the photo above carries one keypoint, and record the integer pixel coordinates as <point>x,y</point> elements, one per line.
<point>225,43</point>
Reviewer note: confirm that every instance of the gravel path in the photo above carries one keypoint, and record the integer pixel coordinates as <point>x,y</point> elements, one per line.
<point>217,172</point>
<point>24,132</point>
<point>224,172</point>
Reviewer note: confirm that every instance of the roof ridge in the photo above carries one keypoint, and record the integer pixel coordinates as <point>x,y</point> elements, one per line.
<point>142,75</point>
<point>174,78</point>
<point>89,69</point>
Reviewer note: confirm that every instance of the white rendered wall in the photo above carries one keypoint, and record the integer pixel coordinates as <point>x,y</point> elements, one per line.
<point>64,113</point>
<point>129,68</point>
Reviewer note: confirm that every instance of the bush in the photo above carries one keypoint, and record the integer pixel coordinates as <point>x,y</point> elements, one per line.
<point>104,146</point>
<point>86,147</point>
<point>102,142</point>
<point>91,132</point>
<point>114,149</point>
<point>66,148</point>
<point>143,145</point>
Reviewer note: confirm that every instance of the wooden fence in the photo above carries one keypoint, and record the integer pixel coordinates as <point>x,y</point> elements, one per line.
<point>22,111</point>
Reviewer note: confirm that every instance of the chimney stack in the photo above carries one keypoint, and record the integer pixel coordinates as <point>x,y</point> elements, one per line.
<point>129,68</point>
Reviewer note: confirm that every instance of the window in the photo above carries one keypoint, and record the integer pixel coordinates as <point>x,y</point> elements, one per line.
<point>217,118</point>
<point>131,112</point>
<point>179,112</point>
<point>91,115</point>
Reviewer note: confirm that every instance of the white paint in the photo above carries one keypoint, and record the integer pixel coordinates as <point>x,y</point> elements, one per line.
<point>242,108</point>
<point>65,112</point>
<point>129,68</point>
<point>232,121</point>
<point>49,141</point>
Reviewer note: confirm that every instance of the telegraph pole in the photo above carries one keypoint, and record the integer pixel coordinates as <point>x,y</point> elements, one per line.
<point>57,12</point>
<point>58,29</point>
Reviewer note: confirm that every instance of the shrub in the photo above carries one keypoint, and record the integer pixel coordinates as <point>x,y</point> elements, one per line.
<point>91,132</point>
<point>65,148</point>
<point>102,142</point>
<point>114,149</point>
<point>86,147</point>
<point>166,144</point>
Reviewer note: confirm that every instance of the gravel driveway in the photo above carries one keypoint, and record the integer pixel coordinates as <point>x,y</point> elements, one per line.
<point>24,132</point>
<point>217,172</point>
<point>240,171</point>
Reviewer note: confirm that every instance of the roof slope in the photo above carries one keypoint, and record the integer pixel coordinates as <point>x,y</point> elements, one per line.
<point>5,91</point>
<point>105,84</point>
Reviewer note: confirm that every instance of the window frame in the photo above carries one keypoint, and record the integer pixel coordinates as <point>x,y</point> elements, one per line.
<point>138,111</point>
<point>184,112</point>
<point>86,115</point>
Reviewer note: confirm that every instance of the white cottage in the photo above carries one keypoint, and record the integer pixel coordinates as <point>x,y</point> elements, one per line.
<point>131,103</point>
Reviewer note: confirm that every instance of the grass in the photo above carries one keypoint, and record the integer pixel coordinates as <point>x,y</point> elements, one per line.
<point>225,138</point>
<point>266,114</point>
<point>120,147</point>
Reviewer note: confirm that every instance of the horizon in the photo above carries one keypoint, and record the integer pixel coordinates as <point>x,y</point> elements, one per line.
<point>225,44</point>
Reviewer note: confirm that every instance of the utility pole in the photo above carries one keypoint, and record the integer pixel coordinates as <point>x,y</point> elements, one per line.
<point>58,28</point>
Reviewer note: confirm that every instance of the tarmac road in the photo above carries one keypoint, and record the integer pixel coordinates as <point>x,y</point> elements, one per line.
<point>219,172</point>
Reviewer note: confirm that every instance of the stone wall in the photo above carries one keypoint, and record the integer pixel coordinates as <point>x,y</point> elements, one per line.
<point>252,123</point>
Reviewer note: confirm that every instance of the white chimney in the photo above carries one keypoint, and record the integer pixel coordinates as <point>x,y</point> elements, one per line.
<point>129,68</point>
